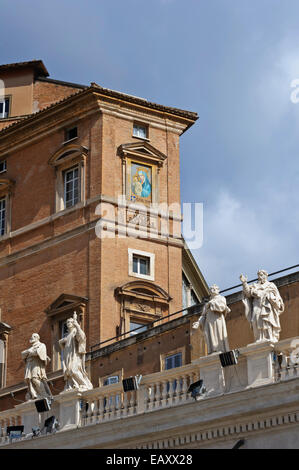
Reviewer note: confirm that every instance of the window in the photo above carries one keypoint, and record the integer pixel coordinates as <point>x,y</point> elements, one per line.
<point>170,362</point>
<point>69,163</point>
<point>71,134</point>
<point>134,325</point>
<point>141,264</point>
<point>189,297</point>
<point>175,360</point>
<point>58,313</point>
<point>2,363</point>
<point>4,108</point>
<point>63,333</point>
<point>140,131</point>
<point>194,299</point>
<point>2,216</point>
<point>71,187</point>
<point>2,166</point>
<point>185,289</point>
<point>113,379</point>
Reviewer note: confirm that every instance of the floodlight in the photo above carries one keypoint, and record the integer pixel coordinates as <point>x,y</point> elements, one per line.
<point>196,389</point>
<point>131,383</point>
<point>43,405</point>
<point>51,424</point>
<point>36,431</point>
<point>229,358</point>
<point>15,432</point>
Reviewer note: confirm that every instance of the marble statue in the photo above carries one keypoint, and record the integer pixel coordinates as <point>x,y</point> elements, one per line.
<point>74,349</point>
<point>263,305</point>
<point>36,360</point>
<point>212,322</point>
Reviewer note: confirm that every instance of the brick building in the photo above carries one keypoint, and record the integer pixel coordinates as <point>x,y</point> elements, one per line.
<point>70,243</point>
<point>67,150</point>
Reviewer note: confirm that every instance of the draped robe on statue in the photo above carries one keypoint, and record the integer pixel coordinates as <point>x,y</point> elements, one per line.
<point>36,360</point>
<point>73,346</point>
<point>212,322</point>
<point>263,305</point>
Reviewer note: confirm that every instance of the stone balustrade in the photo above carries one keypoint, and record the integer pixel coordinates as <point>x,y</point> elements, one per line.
<point>156,391</point>
<point>258,364</point>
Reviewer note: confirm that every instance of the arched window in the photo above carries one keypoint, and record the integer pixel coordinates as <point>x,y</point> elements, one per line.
<point>69,163</point>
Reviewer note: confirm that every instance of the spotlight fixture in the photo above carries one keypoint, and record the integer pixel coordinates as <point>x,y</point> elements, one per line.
<point>239,444</point>
<point>36,431</point>
<point>229,358</point>
<point>131,383</point>
<point>43,405</point>
<point>15,432</point>
<point>51,424</point>
<point>196,389</point>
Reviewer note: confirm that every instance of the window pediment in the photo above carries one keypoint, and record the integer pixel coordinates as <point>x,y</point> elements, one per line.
<point>5,185</point>
<point>65,303</point>
<point>142,150</point>
<point>67,153</point>
<point>144,291</point>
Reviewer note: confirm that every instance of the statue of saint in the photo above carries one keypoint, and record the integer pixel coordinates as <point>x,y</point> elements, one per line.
<point>212,322</point>
<point>74,349</point>
<point>263,305</point>
<point>36,360</point>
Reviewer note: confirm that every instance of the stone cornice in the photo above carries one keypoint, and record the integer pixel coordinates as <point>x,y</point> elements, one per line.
<point>77,105</point>
<point>44,122</point>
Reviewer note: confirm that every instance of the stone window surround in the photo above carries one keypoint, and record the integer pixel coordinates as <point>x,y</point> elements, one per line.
<point>4,332</point>
<point>74,155</point>
<point>58,312</point>
<point>145,254</point>
<point>145,126</point>
<point>119,373</point>
<point>5,192</point>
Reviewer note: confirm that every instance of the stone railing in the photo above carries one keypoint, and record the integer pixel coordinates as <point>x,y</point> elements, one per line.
<point>8,418</point>
<point>156,391</point>
<point>258,364</point>
<point>287,360</point>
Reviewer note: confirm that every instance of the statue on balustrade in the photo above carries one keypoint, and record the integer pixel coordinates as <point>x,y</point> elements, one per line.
<point>212,322</point>
<point>263,306</point>
<point>36,360</point>
<point>74,349</point>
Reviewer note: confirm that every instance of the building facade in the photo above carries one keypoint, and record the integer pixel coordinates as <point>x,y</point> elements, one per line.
<point>81,167</point>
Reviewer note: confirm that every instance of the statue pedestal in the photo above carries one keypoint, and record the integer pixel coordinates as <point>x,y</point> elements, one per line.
<point>211,373</point>
<point>259,363</point>
<point>69,409</point>
<point>253,369</point>
<point>30,416</point>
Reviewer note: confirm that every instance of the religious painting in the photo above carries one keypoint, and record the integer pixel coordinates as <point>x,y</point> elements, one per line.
<point>141,182</point>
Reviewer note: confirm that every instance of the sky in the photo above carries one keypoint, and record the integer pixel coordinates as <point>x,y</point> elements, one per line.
<point>233,62</point>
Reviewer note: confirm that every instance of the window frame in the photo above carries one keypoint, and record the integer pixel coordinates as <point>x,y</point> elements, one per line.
<point>141,254</point>
<point>3,199</point>
<point>5,193</point>
<point>70,139</point>
<point>140,125</point>
<point>65,183</point>
<point>169,354</point>
<point>4,100</point>
<point>65,159</point>
<point>4,162</point>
